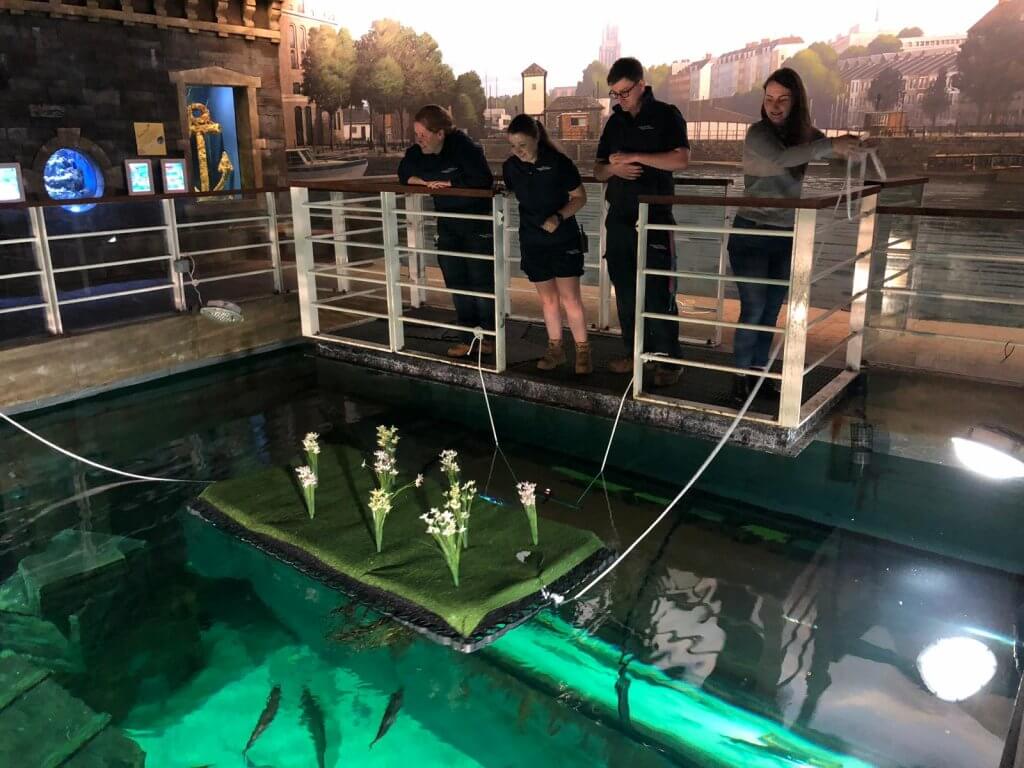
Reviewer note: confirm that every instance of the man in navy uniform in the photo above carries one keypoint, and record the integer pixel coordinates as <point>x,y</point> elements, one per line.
<point>643,143</point>
<point>445,157</point>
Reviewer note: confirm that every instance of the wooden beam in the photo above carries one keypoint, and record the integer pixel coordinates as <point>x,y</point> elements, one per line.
<point>249,15</point>
<point>58,9</point>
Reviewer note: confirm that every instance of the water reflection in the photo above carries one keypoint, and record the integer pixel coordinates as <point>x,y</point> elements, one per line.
<point>172,627</point>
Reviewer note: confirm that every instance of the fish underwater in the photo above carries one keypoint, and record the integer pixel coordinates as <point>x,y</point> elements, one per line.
<point>390,715</point>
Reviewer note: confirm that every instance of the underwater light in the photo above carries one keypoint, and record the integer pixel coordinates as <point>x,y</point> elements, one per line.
<point>956,668</point>
<point>991,451</point>
<point>222,311</point>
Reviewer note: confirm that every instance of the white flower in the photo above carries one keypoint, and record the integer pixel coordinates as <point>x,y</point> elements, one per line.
<point>384,463</point>
<point>310,444</point>
<point>380,502</point>
<point>448,461</point>
<point>364,464</point>
<point>387,437</point>
<point>440,523</point>
<point>527,493</point>
<point>419,481</point>
<point>522,555</point>
<point>307,478</point>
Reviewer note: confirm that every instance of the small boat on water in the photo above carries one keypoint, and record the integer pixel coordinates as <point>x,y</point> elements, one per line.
<point>303,166</point>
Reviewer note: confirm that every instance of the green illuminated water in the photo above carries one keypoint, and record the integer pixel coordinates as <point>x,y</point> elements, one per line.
<point>733,636</point>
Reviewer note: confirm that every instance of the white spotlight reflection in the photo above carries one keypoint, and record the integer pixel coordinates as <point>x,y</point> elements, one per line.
<point>991,452</point>
<point>956,668</point>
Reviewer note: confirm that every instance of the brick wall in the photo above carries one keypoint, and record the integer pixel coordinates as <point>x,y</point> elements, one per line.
<point>102,77</point>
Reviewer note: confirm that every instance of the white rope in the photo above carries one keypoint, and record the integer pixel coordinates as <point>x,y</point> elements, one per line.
<point>861,155</point>
<point>84,460</point>
<point>559,599</point>
<point>478,339</point>
<point>608,448</point>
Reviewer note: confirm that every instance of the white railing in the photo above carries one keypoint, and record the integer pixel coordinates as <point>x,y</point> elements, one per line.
<point>399,271</point>
<point>908,271</point>
<point>793,411</point>
<point>45,223</point>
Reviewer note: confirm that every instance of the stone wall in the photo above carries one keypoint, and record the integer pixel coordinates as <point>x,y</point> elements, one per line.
<point>102,77</point>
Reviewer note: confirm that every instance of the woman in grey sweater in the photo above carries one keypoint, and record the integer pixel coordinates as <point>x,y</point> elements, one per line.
<point>775,157</point>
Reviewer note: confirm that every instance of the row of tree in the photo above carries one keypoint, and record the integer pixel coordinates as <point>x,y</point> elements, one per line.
<point>393,70</point>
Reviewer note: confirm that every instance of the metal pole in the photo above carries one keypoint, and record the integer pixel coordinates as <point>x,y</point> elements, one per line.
<point>723,265</point>
<point>48,286</point>
<point>498,205</point>
<point>275,242</point>
<point>174,251</point>
<point>338,230</point>
<point>392,270</point>
<point>641,289</point>
<point>414,239</point>
<point>604,320</point>
<point>506,249</point>
<point>795,349</point>
<point>862,278</point>
<point>302,227</point>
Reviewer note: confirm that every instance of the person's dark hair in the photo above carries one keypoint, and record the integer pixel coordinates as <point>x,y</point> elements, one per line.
<point>626,67</point>
<point>533,128</point>
<point>434,118</point>
<point>798,128</point>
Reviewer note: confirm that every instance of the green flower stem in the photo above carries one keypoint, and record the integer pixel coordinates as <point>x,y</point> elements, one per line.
<point>531,516</point>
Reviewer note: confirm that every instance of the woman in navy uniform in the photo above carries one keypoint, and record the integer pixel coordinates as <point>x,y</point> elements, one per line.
<point>444,157</point>
<point>775,156</point>
<point>550,192</point>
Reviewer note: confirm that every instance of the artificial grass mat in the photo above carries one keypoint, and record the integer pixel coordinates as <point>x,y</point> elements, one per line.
<point>409,578</point>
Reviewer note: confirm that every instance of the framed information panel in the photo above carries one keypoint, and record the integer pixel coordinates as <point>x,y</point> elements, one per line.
<point>175,175</point>
<point>12,187</point>
<point>139,173</point>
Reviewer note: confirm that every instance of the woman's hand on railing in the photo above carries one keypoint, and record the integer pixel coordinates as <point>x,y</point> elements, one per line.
<point>416,181</point>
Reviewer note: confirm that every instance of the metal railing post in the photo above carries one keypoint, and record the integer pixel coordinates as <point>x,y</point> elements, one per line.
<point>338,229</point>
<point>795,346</point>
<point>723,266</point>
<point>414,239</point>
<point>48,286</point>
<point>302,227</point>
<point>641,297</point>
<point>498,205</point>
<point>862,277</point>
<point>604,321</point>
<point>392,270</point>
<point>174,251</point>
<point>506,247</point>
<point>275,242</point>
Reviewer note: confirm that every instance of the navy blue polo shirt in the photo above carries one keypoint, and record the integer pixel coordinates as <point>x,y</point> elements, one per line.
<point>542,188</point>
<point>460,161</point>
<point>658,127</point>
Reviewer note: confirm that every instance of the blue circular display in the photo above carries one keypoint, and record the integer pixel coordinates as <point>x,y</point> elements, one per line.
<point>70,175</point>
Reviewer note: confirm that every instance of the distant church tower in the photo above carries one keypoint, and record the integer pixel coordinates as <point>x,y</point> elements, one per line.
<point>610,49</point>
<point>535,91</point>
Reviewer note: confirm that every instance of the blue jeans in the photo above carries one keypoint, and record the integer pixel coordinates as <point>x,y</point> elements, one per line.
<point>763,257</point>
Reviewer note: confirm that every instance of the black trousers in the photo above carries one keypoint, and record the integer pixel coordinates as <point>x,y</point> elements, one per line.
<point>468,236</point>
<point>659,292</point>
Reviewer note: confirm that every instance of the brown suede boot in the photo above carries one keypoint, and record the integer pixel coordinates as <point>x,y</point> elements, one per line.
<point>584,362</point>
<point>554,357</point>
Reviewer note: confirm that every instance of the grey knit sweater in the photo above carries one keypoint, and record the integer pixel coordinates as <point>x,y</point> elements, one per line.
<point>766,164</point>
